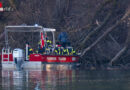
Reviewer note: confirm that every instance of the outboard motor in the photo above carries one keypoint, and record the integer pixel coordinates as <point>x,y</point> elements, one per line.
<point>18,56</point>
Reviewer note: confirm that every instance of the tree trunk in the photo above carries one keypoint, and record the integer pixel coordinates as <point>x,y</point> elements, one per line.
<point>102,24</point>
<point>106,33</point>
<point>2,35</point>
<point>97,29</point>
<point>101,37</point>
<point>124,49</point>
<point>118,55</point>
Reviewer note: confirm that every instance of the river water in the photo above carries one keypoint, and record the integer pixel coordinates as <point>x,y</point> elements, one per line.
<point>65,80</point>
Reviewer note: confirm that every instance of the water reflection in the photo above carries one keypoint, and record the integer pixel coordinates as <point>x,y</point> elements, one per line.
<point>65,80</point>
<point>35,80</point>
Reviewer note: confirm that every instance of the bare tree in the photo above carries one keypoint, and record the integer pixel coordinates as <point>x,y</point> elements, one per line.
<point>127,42</point>
<point>105,34</point>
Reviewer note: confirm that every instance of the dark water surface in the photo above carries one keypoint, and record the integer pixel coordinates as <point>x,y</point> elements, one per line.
<point>64,80</point>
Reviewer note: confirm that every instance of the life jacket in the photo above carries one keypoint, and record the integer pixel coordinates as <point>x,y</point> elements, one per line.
<point>68,53</point>
<point>49,42</point>
<point>30,51</point>
<point>59,51</point>
<point>64,51</point>
<point>39,43</point>
<point>73,52</point>
<point>56,51</point>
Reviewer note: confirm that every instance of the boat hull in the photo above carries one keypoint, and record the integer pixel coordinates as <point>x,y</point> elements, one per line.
<point>8,65</point>
<point>53,58</point>
<point>38,61</point>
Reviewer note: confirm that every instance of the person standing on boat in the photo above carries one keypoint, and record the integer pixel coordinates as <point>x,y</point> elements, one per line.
<point>49,43</point>
<point>48,46</point>
<point>30,50</point>
<point>63,39</point>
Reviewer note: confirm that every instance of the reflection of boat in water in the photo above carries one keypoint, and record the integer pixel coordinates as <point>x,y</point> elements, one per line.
<point>12,79</point>
<point>31,80</point>
<point>17,58</point>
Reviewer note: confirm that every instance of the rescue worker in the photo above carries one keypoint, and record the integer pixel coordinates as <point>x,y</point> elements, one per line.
<point>40,50</point>
<point>69,51</point>
<point>56,50</point>
<point>30,50</point>
<point>73,52</point>
<point>49,42</point>
<point>63,39</point>
<point>39,43</point>
<point>48,45</point>
<point>64,51</point>
<point>60,50</point>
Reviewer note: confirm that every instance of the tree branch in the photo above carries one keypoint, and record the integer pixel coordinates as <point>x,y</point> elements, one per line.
<point>97,29</point>
<point>102,36</point>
